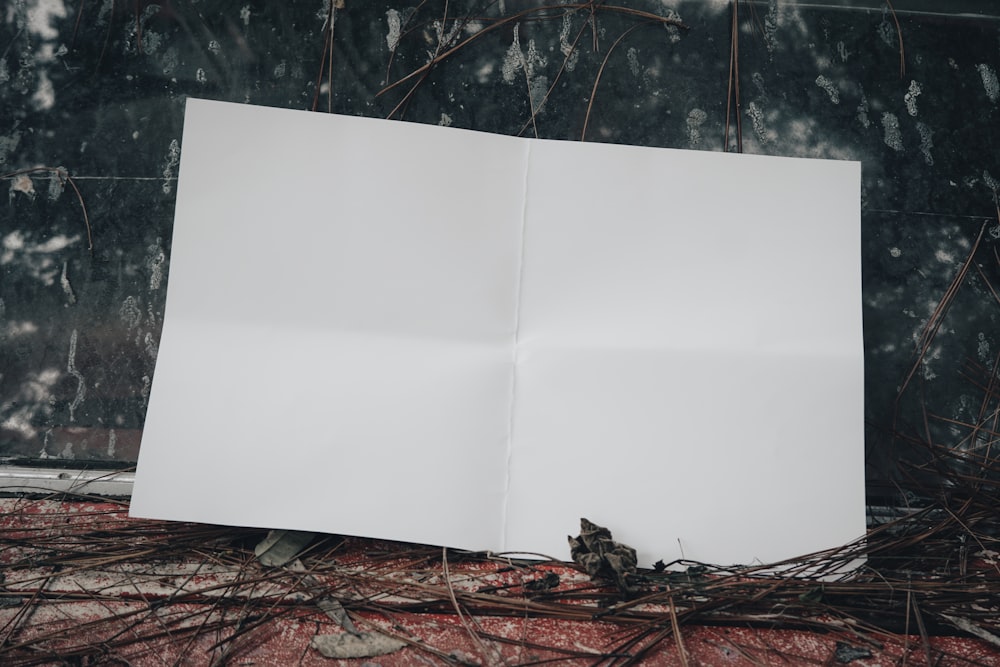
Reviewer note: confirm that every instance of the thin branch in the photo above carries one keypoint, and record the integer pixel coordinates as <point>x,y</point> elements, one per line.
<point>899,36</point>
<point>600,72</point>
<point>935,321</point>
<point>63,177</point>
<point>545,11</point>
<point>733,88</point>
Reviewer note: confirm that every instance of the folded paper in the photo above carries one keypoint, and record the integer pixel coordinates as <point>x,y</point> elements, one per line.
<point>435,335</point>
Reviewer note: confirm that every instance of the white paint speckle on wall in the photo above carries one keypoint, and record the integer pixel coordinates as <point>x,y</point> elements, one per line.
<point>983,348</point>
<point>695,119</point>
<point>910,98</point>
<point>990,82</point>
<point>926,142</point>
<point>129,312</point>
<point>756,115</point>
<point>830,88</point>
<point>565,46</point>
<point>154,262</point>
<point>81,385</point>
<point>64,283</point>
<point>395,22</point>
<point>173,159</point>
<point>892,137</point>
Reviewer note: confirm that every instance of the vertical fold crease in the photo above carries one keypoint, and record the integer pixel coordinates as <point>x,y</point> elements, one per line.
<point>514,347</point>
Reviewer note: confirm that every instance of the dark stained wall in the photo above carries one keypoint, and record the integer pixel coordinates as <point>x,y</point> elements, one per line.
<point>91,105</point>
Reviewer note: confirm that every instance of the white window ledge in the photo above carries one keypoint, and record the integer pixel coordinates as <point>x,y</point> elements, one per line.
<point>23,479</point>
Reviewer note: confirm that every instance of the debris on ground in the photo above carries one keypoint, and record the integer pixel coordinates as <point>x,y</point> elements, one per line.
<point>364,645</point>
<point>601,556</point>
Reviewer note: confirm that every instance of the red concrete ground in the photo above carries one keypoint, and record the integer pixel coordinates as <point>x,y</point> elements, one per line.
<point>112,606</point>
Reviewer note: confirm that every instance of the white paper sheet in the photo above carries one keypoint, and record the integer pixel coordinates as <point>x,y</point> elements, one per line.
<point>434,335</point>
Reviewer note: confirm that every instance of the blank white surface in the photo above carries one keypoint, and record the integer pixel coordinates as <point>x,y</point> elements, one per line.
<point>689,367</point>
<point>325,431</point>
<point>631,246</point>
<point>339,326</point>
<point>670,449</point>
<point>359,339</point>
